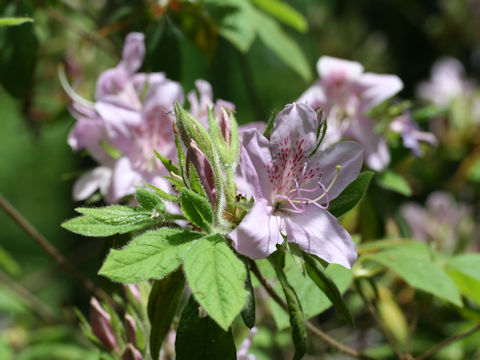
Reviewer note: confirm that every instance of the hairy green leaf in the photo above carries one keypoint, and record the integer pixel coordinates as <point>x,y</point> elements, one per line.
<point>200,338</point>
<point>89,226</point>
<point>197,209</point>
<point>162,305</point>
<point>216,277</point>
<point>351,196</point>
<point>319,276</point>
<point>152,255</point>
<point>119,215</point>
<point>248,311</point>
<point>149,200</point>
<point>297,321</point>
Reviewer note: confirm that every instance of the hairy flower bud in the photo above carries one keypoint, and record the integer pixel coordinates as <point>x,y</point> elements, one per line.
<point>223,120</point>
<point>131,353</point>
<point>100,322</point>
<point>204,170</point>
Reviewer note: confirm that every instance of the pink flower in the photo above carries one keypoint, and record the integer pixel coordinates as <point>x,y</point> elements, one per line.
<point>292,185</point>
<point>446,83</point>
<point>131,117</point>
<point>346,93</point>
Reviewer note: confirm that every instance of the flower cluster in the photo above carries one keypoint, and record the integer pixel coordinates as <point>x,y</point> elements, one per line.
<point>131,118</point>
<point>346,93</point>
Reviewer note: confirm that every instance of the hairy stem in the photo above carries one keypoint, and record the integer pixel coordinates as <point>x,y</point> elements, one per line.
<point>312,328</point>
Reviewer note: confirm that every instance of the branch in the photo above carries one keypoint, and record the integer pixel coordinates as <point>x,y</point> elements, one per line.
<point>447,342</point>
<point>27,297</point>
<point>52,251</point>
<point>329,340</point>
<point>381,326</point>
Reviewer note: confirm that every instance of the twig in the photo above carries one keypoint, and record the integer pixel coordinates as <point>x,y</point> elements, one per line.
<point>329,340</point>
<point>446,342</point>
<point>52,251</point>
<point>381,326</point>
<point>27,297</point>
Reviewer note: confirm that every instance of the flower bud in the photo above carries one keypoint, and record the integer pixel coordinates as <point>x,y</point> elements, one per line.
<point>130,329</point>
<point>131,353</point>
<point>133,290</point>
<point>224,132</point>
<point>101,325</point>
<point>204,170</point>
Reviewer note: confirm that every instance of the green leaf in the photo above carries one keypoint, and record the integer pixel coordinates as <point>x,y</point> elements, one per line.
<point>393,181</point>
<point>200,338</point>
<point>273,36</point>
<point>316,272</point>
<point>420,272</point>
<point>162,305</point>
<point>149,201</point>
<point>312,299</point>
<point>19,54</point>
<point>8,263</point>
<point>167,163</point>
<point>164,195</point>
<point>89,226</point>
<point>216,277</point>
<point>197,209</point>
<point>284,12</point>
<point>297,321</point>
<point>152,255</point>
<point>13,21</point>
<point>351,196</point>
<point>119,215</point>
<point>465,271</point>
<point>235,21</point>
<point>248,311</point>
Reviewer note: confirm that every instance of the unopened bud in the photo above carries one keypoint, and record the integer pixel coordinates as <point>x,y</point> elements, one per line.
<point>133,290</point>
<point>203,168</point>
<point>223,119</point>
<point>100,322</point>
<point>130,329</point>
<point>131,353</point>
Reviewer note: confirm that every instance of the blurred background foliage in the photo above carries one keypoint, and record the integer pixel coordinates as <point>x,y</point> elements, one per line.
<point>258,54</point>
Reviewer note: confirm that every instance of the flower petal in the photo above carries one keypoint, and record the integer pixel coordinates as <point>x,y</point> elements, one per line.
<point>328,66</point>
<point>88,183</point>
<point>317,232</point>
<point>133,52</point>
<point>124,180</point>
<point>347,154</point>
<point>314,96</point>
<point>377,155</point>
<point>255,156</point>
<point>378,88</point>
<point>258,233</point>
<point>295,122</point>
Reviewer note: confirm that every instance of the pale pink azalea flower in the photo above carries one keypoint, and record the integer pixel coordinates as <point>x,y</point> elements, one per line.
<point>346,93</point>
<point>442,221</point>
<point>132,116</point>
<point>292,189</point>
<point>447,82</point>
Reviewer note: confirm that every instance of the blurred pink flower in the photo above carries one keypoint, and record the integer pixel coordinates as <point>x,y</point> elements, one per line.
<point>447,81</point>
<point>132,116</point>
<point>346,93</point>
<point>292,186</point>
